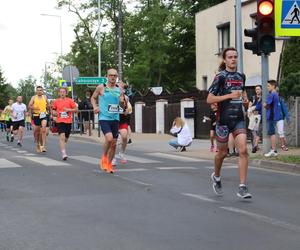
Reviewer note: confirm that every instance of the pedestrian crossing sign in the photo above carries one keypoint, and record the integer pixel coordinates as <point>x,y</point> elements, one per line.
<point>287,18</point>
<point>65,84</point>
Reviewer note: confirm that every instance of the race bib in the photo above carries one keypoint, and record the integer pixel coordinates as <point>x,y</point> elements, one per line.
<point>42,115</point>
<point>19,115</point>
<point>115,108</point>
<point>64,115</point>
<point>237,100</point>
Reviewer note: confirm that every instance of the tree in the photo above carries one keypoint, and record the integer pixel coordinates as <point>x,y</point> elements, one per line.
<point>290,83</point>
<point>26,88</point>
<point>3,90</point>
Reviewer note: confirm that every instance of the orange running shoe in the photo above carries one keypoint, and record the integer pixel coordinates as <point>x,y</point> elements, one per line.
<point>110,168</point>
<point>103,163</point>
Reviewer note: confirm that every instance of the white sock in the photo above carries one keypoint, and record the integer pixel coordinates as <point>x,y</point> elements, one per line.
<point>218,178</point>
<point>242,185</point>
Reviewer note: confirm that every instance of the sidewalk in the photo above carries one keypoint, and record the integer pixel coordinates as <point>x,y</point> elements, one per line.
<point>199,149</point>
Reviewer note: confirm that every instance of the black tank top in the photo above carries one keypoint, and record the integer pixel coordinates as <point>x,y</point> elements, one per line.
<point>229,111</point>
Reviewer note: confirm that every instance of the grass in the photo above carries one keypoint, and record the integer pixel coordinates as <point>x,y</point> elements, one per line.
<point>292,159</point>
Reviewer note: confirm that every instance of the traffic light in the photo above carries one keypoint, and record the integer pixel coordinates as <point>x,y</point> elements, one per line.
<point>251,45</point>
<point>265,26</point>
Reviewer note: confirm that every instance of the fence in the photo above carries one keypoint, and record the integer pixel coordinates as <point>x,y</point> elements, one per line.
<point>172,111</point>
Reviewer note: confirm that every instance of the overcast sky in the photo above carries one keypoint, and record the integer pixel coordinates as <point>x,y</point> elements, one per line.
<point>28,40</point>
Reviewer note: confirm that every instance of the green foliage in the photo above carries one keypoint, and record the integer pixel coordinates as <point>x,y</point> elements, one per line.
<point>3,90</point>
<point>26,88</point>
<point>290,78</point>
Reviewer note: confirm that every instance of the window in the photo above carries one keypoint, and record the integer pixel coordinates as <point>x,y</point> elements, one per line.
<point>204,82</point>
<point>223,36</point>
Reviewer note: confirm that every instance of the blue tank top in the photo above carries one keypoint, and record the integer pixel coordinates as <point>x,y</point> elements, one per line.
<point>109,103</point>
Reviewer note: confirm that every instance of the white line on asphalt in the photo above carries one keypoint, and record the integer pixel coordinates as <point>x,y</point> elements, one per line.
<point>30,154</point>
<point>139,159</point>
<point>131,170</point>
<point>8,164</point>
<point>176,157</point>
<point>275,171</point>
<point>46,161</point>
<point>14,149</point>
<point>265,219</point>
<point>133,180</point>
<point>85,158</point>
<point>22,152</point>
<point>175,168</point>
<point>200,197</point>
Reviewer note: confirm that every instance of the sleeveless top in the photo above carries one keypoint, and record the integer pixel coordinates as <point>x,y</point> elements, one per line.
<point>41,104</point>
<point>109,104</point>
<point>231,110</point>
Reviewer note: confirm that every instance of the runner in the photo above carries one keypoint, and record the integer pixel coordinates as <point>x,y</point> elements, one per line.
<point>18,110</point>
<point>124,124</point>
<point>228,90</point>
<point>8,121</point>
<point>110,106</point>
<point>39,106</point>
<point>63,107</point>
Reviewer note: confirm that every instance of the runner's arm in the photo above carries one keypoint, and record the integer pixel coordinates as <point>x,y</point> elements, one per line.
<point>98,91</point>
<point>211,98</point>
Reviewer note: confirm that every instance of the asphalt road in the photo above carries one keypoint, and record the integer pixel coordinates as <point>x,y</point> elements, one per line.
<point>157,201</point>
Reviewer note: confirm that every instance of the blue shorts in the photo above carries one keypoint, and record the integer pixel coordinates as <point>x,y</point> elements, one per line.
<point>110,127</point>
<point>223,131</point>
<point>271,127</point>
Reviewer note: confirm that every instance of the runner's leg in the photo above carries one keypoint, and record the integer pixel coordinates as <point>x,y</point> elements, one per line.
<point>241,142</point>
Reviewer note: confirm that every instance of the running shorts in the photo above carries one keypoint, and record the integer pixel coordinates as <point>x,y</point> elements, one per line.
<point>110,127</point>
<point>18,124</point>
<point>223,131</point>
<point>64,128</point>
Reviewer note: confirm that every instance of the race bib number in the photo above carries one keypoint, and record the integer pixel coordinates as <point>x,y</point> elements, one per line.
<point>237,100</point>
<point>64,115</point>
<point>19,115</point>
<point>115,108</point>
<point>42,115</point>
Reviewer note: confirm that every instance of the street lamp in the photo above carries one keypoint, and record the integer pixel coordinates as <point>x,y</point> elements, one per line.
<point>99,38</point>
<point>60,27</point>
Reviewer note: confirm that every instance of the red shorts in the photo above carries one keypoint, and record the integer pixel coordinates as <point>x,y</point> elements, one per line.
<point>123,126</point>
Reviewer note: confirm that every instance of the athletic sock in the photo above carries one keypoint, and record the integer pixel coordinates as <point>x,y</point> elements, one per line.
<point>242,185</point>
<point>218,178</point>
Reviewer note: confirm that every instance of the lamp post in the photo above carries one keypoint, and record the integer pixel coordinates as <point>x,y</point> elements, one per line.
<point>99,38</point>
<point>60,28</point>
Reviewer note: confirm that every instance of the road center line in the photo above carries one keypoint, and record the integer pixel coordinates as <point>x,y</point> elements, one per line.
<point>264,218</point>
<point>200,197</point>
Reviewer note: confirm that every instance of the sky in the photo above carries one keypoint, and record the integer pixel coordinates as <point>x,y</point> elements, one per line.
<point>28,40</point>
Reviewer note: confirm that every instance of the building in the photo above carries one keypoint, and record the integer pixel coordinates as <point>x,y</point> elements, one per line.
<point>215,30</point>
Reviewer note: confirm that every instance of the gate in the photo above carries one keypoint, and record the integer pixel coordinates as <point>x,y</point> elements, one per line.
<point>172,111</point>
<point>149,119</point>
<point>202,128</point>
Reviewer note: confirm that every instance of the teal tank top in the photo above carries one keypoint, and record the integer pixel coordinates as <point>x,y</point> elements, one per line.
<point>109,103</point>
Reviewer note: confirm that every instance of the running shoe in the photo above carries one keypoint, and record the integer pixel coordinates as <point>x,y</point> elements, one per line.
<point>19,144</point>
<point>284,148</point>
<point>129,141</point>
<point>114,161</point>
<point>122,158</point>
<point>64,156</point>
<point>103,163</point>
<point>38,148</point>
<point>243,192</point>
<point>110,168</point>
<point>12,138</point>
<point>271,153</point>
<point>43,149</point>
<point>217,185</point>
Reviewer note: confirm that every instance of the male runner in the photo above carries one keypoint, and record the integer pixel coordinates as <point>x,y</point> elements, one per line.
<point>109,108</point>
<point>18,110</point>
<point>228,90</point>
<point>8,121</point>
<point>39,106</point>
<point>63,107</point>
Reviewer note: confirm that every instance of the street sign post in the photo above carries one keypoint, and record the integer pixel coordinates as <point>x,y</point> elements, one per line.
<point>91,80</point>
<point>287,18</point>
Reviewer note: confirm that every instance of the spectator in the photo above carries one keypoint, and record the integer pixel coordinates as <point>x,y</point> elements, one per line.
<point>182,132</point>
<point>272,115</point>
<point>88,114</point>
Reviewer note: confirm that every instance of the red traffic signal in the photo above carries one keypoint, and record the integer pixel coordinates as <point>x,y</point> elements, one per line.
<point>265,7</point>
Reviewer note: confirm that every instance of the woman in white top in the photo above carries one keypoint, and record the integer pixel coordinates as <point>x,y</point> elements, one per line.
<point>182,132</point>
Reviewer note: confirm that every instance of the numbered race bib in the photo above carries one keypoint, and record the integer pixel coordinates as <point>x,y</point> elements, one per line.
<point>42,115</point>
<point>237,100</point>
<point>115,108</point>
<point>19,116</point>
<point>64,115</point>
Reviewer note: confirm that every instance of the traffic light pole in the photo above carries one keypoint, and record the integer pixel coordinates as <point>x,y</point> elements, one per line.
<point>264,81</point>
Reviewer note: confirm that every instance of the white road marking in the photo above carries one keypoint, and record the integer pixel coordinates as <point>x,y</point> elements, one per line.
<point>22,152</point>
<point>200,197</point>
<point>14,149</point>
<point>30,154</point>
<point>47,161</point>
<point>8,164</point>
<point>93,160</point>
<point>265,219</point>
<point>176,157</point>
<point>86,159</point>
<point>131,170</point>
<point>175,168</point>
<point>139,159</point>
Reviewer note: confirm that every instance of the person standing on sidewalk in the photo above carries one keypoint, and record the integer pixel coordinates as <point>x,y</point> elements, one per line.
<point>63,107</point>
<point>228,90</point>
<point>110,108</point>
<point>18,110</point>
<point>283,115</point>
<point>272,106</point>
<point>8,121</point>
<point>39,106</point>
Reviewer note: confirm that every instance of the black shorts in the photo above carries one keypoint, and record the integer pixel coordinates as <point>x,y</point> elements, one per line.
<point>223,131</point>
<point>86,115</point>
<point>18,124</point>
<point>64,128</point>
<point>110,127</point>
<point>8,123</point>
<point>38,121</point>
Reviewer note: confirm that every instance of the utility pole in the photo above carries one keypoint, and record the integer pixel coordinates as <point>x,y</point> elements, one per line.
<point>120,41</point>
<point>238,30</point>
<point>99,38</point>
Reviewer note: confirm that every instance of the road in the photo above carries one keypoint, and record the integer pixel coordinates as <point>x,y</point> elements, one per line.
<point>157,201</point>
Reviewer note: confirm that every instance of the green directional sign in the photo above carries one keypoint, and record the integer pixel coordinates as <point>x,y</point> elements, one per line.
<point>91,80</point>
